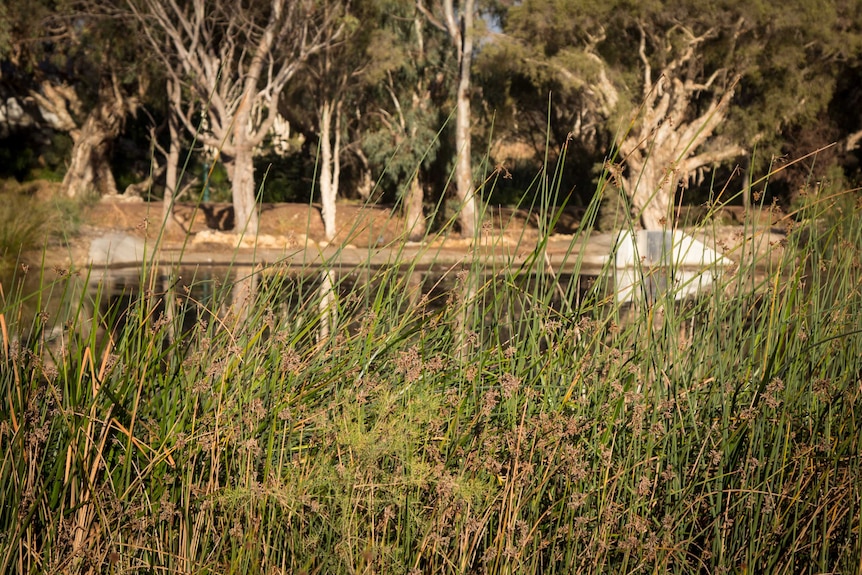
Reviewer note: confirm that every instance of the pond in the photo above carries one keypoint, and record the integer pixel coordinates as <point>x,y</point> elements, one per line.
<point>102,301</point>
<point>317,291</point>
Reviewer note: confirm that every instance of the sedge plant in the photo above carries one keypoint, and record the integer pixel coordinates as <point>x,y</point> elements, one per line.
<point>485,418</point>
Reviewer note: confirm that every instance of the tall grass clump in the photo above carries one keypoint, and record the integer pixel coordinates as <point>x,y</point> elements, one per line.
<point>29,221</point>
<point>21,227</point>
<point>477,419</point>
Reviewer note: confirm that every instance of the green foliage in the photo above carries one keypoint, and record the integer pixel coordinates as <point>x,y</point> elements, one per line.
<point>284,178</point>
<point>5,31</point>
<point>405,95</point>
<point>788,58</point>
<point>386,52</point>
<point>398,154</point>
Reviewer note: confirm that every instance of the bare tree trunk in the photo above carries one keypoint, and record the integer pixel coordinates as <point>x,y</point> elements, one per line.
<point>235,58</point>
<point>413,214</point>
<point>457,22</point>
<point>89,168</point>
<point>655,167</point>
<point>366,183</point>
<point>463,166</point>
<point>171,180</point>
<point>330,166</point>
<point>326,306</point>
<point>241,170</point>
<point>652,189</point>
<point>677,118</point>
<point>746,185</point>
<point>173,159</point>
<point>243,190</point>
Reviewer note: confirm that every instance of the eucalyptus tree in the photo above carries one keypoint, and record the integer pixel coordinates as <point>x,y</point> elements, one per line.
<point>458,20</point>
<point>232,61</point>
<point>406,83</point>
<point>682,86</point>
<point>81,72</point>
<point>326,86</point>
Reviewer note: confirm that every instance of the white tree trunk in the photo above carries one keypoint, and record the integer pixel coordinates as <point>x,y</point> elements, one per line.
<point>652,189</point>
<point>237,59</point>
<point>171,181</point>
<point>172,160</point>
<point>326,306</point>
<point>243,191</point>
<point>463,166</point>
<point>366,183</point>
<point>676,120</point>
<point>330,167</point>
<point>656,165</point>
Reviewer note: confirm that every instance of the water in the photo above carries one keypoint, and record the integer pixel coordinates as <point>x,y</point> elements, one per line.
<point>94,306</point>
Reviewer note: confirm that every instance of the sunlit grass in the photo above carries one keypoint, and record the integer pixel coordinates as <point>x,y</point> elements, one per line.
<point>492,426</point>
<point>28,222</point>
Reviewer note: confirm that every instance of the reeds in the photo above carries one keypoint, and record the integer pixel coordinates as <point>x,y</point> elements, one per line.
<point>499,425</point>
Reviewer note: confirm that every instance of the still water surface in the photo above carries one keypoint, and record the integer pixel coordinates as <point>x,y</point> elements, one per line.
<point>102,299</point>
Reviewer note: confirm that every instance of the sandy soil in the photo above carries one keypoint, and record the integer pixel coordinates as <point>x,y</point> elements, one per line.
<point>359,224</point>
<point>281,225</point>
<point>298,226</point>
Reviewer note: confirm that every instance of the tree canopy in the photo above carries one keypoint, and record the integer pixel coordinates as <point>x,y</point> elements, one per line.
<point>681,86</point>
<point>656,92</point>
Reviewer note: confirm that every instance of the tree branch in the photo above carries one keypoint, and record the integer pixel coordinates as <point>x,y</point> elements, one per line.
<point>430,16</point>
<point>60,101</point>
<point>711,157</point>
<point>702,128</point>
<point>851,142</point>
<point>647,71</point>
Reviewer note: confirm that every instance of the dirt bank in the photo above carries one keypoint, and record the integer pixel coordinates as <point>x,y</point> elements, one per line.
<point>298,227</point>
<point>281,226</point>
